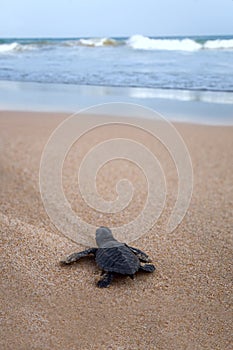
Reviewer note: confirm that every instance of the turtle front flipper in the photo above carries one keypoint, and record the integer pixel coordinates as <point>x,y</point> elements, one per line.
<point>76,256</point>
<point>140,254</point>
<point>106,280</point>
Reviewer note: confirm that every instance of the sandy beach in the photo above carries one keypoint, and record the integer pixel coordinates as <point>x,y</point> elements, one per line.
<point>185,304</point>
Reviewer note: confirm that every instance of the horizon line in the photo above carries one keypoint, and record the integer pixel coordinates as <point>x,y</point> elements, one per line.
<point>111,36</point>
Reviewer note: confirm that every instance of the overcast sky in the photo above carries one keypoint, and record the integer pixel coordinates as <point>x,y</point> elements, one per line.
<point>81,18</point>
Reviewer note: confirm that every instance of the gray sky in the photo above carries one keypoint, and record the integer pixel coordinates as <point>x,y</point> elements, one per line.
<point>79,18</point>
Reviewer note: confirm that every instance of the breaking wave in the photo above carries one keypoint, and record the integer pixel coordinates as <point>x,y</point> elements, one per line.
<point>9,47</point>
<point>144,43</point>
<point>43,44</point>
<point>135,42</point>
<point>6,48</point>
<point>141,42</point>
<point>99,42</point>
<point>93,42</point>
<point>219,44</point>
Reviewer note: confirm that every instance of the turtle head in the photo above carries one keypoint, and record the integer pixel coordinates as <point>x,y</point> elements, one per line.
<point>104,236</point>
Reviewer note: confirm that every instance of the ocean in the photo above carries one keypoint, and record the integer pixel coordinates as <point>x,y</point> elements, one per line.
<point>184,78</point>
<point>203,63</point>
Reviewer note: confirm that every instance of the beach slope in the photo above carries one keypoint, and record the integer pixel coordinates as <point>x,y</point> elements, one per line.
<point>185,304</point>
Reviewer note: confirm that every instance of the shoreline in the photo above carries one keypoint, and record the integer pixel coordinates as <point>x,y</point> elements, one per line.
<point>208,108</point>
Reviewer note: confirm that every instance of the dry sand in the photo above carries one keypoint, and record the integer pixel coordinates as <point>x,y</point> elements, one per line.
<point>185,304</point>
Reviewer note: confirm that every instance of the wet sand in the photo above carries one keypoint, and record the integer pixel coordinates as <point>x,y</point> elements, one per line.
<point>185,304</point>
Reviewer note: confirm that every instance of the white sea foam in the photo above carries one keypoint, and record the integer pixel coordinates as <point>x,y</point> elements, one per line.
<point>144,43</point>
<point>6,48</point>
<point>141,42</point>
<point>138,42</point>
<point>218,44</point>
<point>98,42</point>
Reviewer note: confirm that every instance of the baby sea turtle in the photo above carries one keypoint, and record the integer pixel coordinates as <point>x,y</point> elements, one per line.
<point>113,257</point>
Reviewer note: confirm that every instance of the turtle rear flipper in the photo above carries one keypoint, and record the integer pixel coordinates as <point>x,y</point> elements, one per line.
<point>105,281</point>
<point>147,268</point>
<point>140,254</point>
